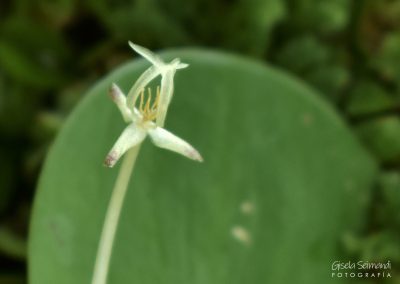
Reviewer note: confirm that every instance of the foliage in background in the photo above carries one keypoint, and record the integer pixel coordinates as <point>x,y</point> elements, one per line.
<point>51,51</point>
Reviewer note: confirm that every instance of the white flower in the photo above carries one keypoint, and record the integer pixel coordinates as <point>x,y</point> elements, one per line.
<point>141,125</point>
<point>159,67</point>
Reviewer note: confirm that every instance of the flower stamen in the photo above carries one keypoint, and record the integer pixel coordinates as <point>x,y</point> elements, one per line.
<point>147,108</point>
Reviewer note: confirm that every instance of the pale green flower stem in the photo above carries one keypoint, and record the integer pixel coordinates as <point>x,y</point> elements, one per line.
<point>112,217</point>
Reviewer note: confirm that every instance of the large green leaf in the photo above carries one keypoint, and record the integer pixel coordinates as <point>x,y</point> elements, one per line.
<point>268,143</point>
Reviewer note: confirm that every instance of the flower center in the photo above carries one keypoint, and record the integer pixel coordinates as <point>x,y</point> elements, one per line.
<point>147,108</point>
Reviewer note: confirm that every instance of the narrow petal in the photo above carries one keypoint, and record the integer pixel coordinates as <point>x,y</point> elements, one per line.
<point>119,99</point>
<point>150,56</point>
<point>167,90</point>
<point>166,140</point>
<point>131,136</point>
<point>182,65</point>
<point>177,64</point>
<point>140,84</point>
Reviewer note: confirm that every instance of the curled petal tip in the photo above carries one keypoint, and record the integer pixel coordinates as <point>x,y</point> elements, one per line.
<point>177,64</point>
<point>114,92</point>
<point>135,47</point>
<point>194,155</point>
<point>149,55</point>
<point>182,65</point>
<point>131,44</point>
<point>111,159</point>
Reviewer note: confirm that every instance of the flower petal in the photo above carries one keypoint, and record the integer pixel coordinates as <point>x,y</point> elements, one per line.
<point>150,56</point>
<point>182,65</point>
<point>140,84</point>
<point>177,64</point>
<point>167,90</point>
<point>131,136</point>
<point>166,140</point>
<point>119,99</point>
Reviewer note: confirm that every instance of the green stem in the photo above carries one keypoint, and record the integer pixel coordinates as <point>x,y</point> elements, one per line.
<point>112,216</point>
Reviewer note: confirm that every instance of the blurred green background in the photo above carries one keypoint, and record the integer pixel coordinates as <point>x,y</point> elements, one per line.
<point>52,51</point>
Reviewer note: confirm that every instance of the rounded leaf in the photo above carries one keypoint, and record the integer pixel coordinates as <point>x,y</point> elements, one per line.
<point>283,180</point>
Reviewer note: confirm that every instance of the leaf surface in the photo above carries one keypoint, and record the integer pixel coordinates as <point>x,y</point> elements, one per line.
<point>280,166</point>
